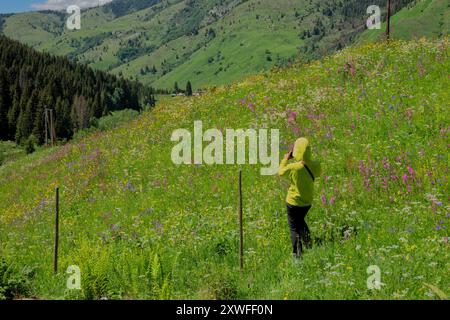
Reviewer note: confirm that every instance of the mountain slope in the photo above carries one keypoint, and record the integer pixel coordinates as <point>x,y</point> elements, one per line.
<point>33,28</point>
<point>422,18</point>
<point>206,41</point>
<point>140,226</point>
<point>31,82</point>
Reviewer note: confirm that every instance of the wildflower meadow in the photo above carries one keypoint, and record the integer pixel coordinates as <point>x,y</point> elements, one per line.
<point>139,226</point>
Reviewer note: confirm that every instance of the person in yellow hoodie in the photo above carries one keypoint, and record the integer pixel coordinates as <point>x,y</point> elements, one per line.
<point>301,174</point>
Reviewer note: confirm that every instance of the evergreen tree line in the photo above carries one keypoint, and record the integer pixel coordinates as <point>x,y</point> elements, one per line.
<point>31,82</point>
<point>352,9</point>
<point>188,91</point>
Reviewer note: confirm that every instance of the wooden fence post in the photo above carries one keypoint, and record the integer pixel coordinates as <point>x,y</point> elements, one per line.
<point>241,231</point>
<point>388,22</point>
<point>55,253</point>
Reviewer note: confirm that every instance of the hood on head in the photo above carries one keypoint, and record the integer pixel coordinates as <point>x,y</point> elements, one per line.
<point>302,150</point>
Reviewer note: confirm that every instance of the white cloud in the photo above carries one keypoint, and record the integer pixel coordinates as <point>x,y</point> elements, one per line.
<point>63,4</point>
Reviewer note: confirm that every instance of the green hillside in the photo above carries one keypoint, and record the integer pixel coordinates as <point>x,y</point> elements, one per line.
<point>422,18</point>
<point>208,42</point>
<point>33,28</point>
<point>139,226</point>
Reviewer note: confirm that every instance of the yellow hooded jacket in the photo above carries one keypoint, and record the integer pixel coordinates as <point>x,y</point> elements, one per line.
<point>301,190</point>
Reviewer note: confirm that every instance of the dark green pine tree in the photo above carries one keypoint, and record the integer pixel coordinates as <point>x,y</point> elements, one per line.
<point>189,89</point>
<point>176,88</point>
<point>133,94</point>
<point>63,125</point>
<point>35,81</point>
<point>97,106</point>
<point>13,112</point>
<point>26,116</point>
<point>105,102</point>
<point>5,103</point>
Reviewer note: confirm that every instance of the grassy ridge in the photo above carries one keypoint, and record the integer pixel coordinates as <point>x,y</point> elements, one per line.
<point>162,26</point>
<point>140,227</point>
<point>208,42</point>
<point>423,18</point>
<point>33,28</point>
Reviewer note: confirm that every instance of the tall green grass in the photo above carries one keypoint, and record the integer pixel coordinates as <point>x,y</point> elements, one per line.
<point>141,227</point>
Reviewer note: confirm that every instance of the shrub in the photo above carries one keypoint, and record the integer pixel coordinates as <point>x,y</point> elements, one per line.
<point>223,286</point>
<point>30,144</point>
<point>116,118</point>
<point>223,247</point>
<point>159,280</point>
<point>14,283</point>
<point>9,151</point>
<point>83,133</point>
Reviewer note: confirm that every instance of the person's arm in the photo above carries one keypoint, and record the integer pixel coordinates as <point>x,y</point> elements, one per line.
<point>285,167</point>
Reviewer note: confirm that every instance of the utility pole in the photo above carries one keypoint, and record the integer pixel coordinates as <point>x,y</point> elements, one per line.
<point>46,126</point>
<point>49,127</point>
<point>52,127</point>
<point>388,24</point>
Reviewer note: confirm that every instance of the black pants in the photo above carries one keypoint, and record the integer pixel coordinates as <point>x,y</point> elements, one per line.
<point>300,236</point>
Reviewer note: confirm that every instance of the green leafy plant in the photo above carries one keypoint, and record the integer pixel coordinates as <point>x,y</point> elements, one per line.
<point>14,283</point>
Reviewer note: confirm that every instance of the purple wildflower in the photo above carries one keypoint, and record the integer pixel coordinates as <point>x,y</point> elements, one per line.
<point>129,186</point>
<point>405,178</point>
<point>332,200</point>
<point>385,183</point>
<point>362,167</point>
<point>367,182</point>
<point>323,198</point>
<point>42,204</point>
<point>291,116</point>
<point>385,162</point>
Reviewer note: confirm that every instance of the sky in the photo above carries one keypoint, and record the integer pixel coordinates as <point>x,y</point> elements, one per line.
<point>8,6</point>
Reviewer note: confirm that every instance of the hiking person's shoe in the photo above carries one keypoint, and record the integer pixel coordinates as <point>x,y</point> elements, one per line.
<point>296,259</point>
